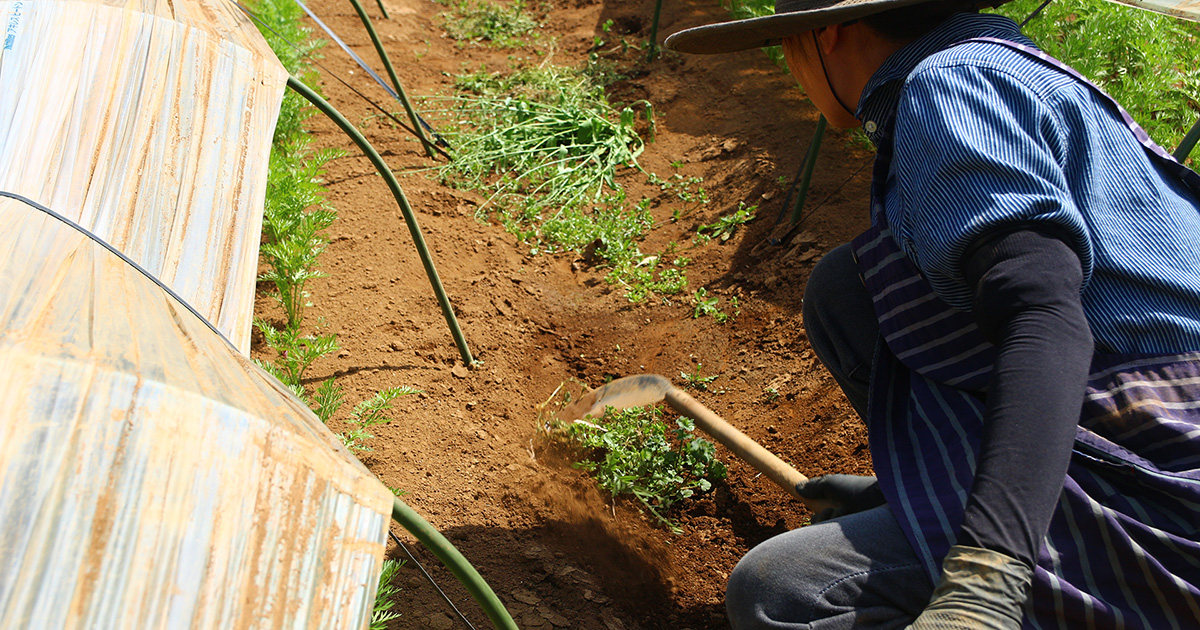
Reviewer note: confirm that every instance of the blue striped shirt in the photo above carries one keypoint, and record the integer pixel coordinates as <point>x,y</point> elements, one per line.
<point>984,137</point>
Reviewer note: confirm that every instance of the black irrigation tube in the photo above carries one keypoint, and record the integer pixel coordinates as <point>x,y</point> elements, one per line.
<point>387,64</point>
<point>410,218</point>
<point>435,542</point>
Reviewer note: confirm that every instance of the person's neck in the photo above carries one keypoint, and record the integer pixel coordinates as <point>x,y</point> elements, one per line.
<point>861,51</point>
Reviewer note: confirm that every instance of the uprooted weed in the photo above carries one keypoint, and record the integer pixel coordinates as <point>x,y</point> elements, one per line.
<point>545,147</point>
<point>635,452</point>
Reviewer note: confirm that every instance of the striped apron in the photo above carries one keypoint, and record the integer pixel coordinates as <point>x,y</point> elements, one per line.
<point>1123,549</point>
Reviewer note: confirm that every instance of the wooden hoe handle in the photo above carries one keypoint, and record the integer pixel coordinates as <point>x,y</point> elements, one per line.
<point>747,449</point>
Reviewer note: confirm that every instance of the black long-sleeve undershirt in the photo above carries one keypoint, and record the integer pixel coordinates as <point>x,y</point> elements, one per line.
<point>1027,301</point>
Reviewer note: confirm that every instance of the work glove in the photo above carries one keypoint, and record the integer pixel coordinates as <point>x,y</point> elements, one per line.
<point>979,589</point>
<point>846,494</point>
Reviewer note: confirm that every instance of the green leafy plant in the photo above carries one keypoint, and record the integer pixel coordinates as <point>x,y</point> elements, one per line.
<point>634,452</point>
<point>327,399</point>
<point>295,352</point>
<point>705,305</point>
<point>695,380</point>
<point>384,609</point>
<point>294,219</point>
<point>649,277</point>
<point>481,21</point>
<point>724,227</point>
<point>540,142</point>
<point>369,413</point>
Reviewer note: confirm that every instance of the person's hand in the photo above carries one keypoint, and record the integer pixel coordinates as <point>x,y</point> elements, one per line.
<point>980,588</point>
<point>846,493</point>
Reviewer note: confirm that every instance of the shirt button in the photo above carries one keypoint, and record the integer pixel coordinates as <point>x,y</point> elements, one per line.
<point>870,126</point>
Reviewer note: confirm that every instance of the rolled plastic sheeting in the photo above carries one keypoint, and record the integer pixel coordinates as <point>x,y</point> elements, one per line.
<point>150,475</point>
<point>1187,9</point>
<point>150,123</point>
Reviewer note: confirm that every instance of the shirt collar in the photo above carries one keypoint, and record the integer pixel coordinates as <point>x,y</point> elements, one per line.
<point>877,107</point>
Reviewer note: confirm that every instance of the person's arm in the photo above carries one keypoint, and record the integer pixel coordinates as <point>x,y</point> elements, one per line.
<point>1026,286</point>
<point>1027,301</point>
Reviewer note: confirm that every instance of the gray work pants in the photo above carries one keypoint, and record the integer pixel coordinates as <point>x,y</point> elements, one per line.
<point>857,571</point>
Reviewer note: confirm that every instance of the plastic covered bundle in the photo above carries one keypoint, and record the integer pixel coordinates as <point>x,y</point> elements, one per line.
<point>149,123</point>
<point>151,476</point>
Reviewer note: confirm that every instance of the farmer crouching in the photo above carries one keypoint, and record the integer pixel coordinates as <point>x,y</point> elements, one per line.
<point>1020,329</point>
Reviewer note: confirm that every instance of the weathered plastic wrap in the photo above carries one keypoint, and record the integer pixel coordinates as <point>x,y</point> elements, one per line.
<point>150,475</point>
<point>149,123</point>
<point>1187,9</point>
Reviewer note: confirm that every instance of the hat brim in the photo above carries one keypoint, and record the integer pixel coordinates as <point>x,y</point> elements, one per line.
<point>769,30</point>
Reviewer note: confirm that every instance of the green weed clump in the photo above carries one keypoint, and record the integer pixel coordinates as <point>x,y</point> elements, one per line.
<point>635,452</point>
<point>724,227</point>
<point>540,143</point>
<point>544,145</point>
<point>743,9</point>
<point>1144,60</point>
<point>481,21</point>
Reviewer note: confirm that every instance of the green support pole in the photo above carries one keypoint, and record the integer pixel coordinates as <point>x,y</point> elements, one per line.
<point>458,565</point>
<point>410,217</point>
<point>383,10</point>
<point>810,160</point>
<point>387,64</point>
<point>654,32</point>
<point>1189,141</point>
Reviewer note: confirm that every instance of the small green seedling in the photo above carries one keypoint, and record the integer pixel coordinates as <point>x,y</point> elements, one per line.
<point>694,380</point>
<point>369,413</point>
<point>706,305</point>
<point>724,227</point>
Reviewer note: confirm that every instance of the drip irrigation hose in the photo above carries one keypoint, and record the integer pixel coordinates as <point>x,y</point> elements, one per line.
<point>439,142</point>
<point>435,542</point>
<point>387,64</point>
<point>410,218</point>
<point>654,32</point>
<point>810,161</point>
<point>429,578</point>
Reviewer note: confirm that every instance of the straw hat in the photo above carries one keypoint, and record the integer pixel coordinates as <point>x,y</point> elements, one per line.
<point>791,17</point>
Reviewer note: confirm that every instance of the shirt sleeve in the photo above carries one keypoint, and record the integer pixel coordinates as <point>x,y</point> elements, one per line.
<point>976,150</point>
<point>1026,301</point>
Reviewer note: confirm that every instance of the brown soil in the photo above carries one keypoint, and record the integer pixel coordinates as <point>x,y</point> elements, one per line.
<point>559,552</point>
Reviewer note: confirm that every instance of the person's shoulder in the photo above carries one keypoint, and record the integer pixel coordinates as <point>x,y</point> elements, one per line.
<point>989,65</point>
